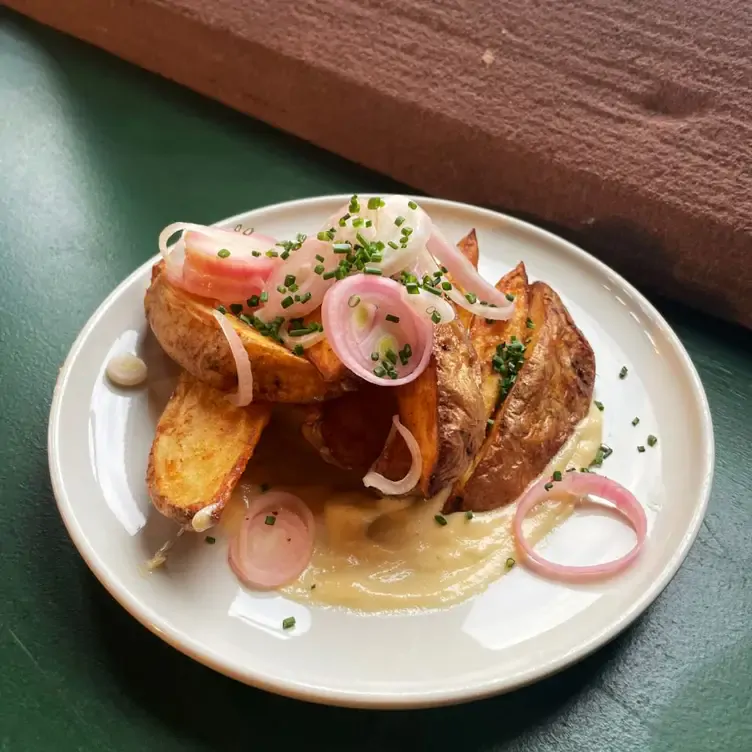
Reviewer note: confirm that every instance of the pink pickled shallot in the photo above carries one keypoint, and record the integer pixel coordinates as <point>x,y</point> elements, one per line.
<point>579,485</point>
<point>274,543</point>
<point>466,276</point>
<point>390,327</point>
<point>244,395</point>
<point>405,485</point>
<point>215,263</point>
<point>310,285</point>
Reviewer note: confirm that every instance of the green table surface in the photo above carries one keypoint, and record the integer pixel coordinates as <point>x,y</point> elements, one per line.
<point>95,157</point>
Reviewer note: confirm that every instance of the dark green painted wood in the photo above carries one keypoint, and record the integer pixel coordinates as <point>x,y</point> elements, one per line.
<point>95,157</point>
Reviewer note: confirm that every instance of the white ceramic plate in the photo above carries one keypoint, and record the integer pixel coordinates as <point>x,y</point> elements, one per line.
<point>521,629</point>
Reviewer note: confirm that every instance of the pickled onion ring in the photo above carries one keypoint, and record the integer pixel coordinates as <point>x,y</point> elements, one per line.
<point>244,395</point>
<point>353,346</point>
<point>579,485</point>
<point>266,556</point>
<point>405,485</point>
<point>466,276</point>
<point>301,265</point>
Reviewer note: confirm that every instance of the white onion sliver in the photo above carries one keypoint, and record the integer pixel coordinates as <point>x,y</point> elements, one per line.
<point>398,488</point>
<point>425,303</point>
<point>244,395</point>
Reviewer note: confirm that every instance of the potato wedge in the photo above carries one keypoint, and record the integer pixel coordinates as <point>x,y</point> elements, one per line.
<point>551,395</point>
<point>443,409</point>
<point>350,431</point>
<point>486,334</point>
<point>186,328</point>
<point>331,368</point>
<point>469,249</point>
<point>200,450</point>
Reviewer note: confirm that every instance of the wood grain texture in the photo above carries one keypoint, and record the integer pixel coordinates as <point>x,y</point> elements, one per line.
<point>628,120</point>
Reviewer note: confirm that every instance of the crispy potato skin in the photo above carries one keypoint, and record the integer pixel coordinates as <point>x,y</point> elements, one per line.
<point>487,335</point>
<point>350,431</point>
<point>200,450</point>
<point>186,328</point>
<point>551,395</point>
<point>443,409</point>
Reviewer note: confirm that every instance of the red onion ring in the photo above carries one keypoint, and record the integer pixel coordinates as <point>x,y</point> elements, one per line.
<point>580,484</point>
<point>353,350</point>
<point>265,556</point>
<point>405,485</point>
<point>244,395</point>
<point>466,276</point>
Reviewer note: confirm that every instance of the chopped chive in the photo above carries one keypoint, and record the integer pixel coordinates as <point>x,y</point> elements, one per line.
<point>490,422</point>
<point>287,302</point>
<point>635,421</point>
<point>436,317</point>
<point>375,356</point>
<point>272,254</point>
<point>318,269</point>
<point>379,371</point>
<point>471,297</point>
<point>341,247</point>
<point>548,486</point>
<point>469,515</point>
<point>599,405</point>
<point>285,255</point>
<point>236,308</point>
<point>298,350</point>
<point>556,475</point>
<point>253,301</point>
<point>329,275</point>
<point>223,253</point>
<point>293,288</point>
<point>375,203</point>
<point>440,519</point>
<point>353,301</point>
<point>412,205</point>
<point>270,519</point>
<point>412,288</point>
<point>391,317</point>
<point>289,280</point>
<point>407,231</point>
<point>288,623</point>
<point>392,244</point>
<point>306,297</point>
<point>432,290</point>
<point>373,270</point>
<point>509,563</point>
<point>264,297</point>
<point>210,539</point>
<point>222,309</point>
<point>652,440</point>
<point>281,289</point>
<point>623,373</point>
<point>446,285</point>
<point>391,356</point>
<point>299,332</point>
<point>399,221</point>
<point>358,222</point>
<point>324,235</point>
<point>256,253</point>
<point>529,323</point>
<point>640,448</point>
<point>509,297</point>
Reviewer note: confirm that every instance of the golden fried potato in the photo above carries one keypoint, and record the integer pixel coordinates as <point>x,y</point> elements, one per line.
<point>486,334</point>
<point>331,368</point>
<point>469,249</point>
<point>186,328</point>
<point>443,409</point>
<point>200,449</point>
<point>350,431</point>
<point>551,395</point>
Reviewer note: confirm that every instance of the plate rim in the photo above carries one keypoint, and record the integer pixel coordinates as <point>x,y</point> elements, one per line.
<point>384,700</point>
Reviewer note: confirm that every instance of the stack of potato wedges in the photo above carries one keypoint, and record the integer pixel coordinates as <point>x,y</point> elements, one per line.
<point>496,402</point>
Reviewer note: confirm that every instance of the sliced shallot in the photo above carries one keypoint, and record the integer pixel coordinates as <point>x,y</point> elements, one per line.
<point>304,340</point>
<point>405,485</point>
<point>375,332</point>
<point>466,276</point>
<point>217,264</point>
<point>580,485</point>
<point>244,395</point>
<point>275,541</point>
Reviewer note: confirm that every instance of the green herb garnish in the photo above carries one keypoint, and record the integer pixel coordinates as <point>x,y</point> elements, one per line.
<point>440,519</point>
<point>270,519</point>
<point>623,373</point>
<point>599,405</point>
<point>223,253</point>
<point>288,623</point>
<point>652,440</point>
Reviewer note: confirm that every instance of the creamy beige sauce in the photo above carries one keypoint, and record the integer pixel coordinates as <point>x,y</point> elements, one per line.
<point>390,554</point>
